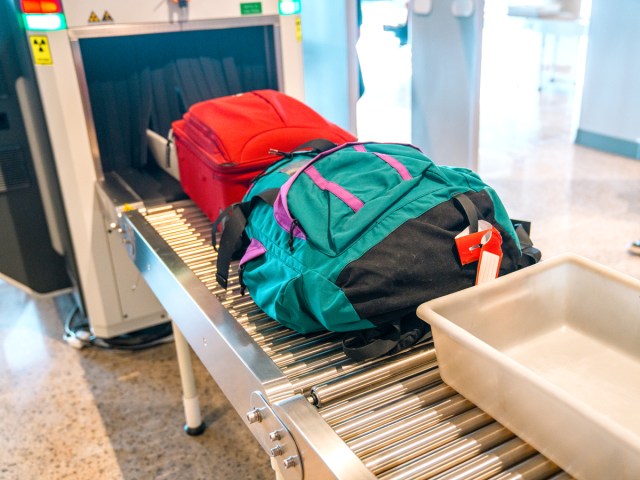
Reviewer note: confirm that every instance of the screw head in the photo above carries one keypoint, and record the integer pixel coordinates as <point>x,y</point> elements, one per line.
<point>276,451</point>
<point>290,462</point>
<point>254,416</point>
<point>275,435</point>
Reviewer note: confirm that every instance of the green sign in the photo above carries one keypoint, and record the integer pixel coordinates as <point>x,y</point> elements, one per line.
<point>252,8</point>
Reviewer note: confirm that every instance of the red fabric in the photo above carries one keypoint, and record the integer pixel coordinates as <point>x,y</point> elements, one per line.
<point>224,143</point>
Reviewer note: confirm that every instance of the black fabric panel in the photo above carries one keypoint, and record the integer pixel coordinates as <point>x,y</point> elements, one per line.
<point>418,262</point>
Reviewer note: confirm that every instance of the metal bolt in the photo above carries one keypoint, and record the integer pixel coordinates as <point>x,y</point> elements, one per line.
<point>254,416</point>
<point>275,435</point>
<point>277,451</point>
<point>290,462</point>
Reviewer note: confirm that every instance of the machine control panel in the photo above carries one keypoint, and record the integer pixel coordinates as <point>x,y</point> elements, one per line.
<point>105,12</point>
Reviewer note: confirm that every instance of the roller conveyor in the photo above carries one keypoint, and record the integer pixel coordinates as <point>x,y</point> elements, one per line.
<point>316,412</point>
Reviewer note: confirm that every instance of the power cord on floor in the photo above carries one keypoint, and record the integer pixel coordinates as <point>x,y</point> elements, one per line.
<point>79,336</point>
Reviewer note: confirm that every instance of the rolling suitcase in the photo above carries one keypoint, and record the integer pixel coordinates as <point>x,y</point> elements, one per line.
<point>224,143</point>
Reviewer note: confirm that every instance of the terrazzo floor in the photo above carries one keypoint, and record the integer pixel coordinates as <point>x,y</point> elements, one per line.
<point>107,414</point>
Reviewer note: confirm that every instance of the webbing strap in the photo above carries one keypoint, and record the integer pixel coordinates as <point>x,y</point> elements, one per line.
<point>231,241</point>
<point>470,211</point>
<point>530,254</point>
<point>390,338</point>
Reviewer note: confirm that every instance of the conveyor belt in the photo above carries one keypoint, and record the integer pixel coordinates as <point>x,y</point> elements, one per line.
<point>395,414</point>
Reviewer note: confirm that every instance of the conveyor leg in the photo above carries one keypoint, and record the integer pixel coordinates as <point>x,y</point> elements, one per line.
<point>194,424</point>
<point>274,465</point>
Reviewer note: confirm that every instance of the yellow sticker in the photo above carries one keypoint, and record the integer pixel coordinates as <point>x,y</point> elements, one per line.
<point>298,30</point>
<point>40,49</point>
<point>127,207</point>
<point>93,18</point>
<point>107,17</point>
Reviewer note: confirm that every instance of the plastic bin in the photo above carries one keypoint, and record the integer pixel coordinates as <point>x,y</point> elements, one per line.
<point>553,353</point>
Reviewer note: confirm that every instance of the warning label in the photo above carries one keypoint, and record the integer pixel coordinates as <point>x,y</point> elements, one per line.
<point>40,49</point>
<point>107,17</point>
<point>93,18</point>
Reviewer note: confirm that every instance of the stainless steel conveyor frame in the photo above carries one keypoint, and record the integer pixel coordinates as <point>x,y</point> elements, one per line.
<point>317,414</point>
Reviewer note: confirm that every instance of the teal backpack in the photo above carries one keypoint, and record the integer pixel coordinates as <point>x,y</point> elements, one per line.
<point>354,238</point>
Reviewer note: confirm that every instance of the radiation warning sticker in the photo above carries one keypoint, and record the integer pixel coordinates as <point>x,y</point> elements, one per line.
<point>40,49</point>
<point>93,18</point>
<point>107,17</point>
<point>298,30</point>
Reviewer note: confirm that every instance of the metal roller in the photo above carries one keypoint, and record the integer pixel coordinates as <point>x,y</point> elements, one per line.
<point>562,476</point>
<point>196,261</point>
<point>177,237</point>
<point>180,235</point>
<point>193,249</point>
<point>335,389</point>
<point>537,467</point>
<point>244,309</point>
<point>240,305</point>
<point>371,399</point>
<point>494,461</point>
<point>407,426</point>
<point>389,413</point>
<point>295,341</point>
<point>271,334</point>
<point>427,441</point>
<point>450,455</point>
<point>305,382</point>
<point>306,351</point>
<point>253,317</point>
<point>314,364</point>
<point>202,268</point>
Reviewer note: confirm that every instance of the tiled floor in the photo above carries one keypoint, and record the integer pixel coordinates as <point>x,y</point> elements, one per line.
<point>106,414</point>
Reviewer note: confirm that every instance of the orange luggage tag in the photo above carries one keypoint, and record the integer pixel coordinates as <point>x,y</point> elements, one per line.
<point>484,247</point>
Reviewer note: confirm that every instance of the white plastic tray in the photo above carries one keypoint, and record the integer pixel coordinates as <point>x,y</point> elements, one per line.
<point>553,353</point>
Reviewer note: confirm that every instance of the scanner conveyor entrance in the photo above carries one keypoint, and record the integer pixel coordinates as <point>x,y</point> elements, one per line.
<point>145,82</point>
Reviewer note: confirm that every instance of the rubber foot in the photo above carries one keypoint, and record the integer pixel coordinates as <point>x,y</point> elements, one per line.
<point>194,432</point>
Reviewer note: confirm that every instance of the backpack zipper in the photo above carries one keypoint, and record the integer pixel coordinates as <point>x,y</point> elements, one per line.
<point>295,223</point>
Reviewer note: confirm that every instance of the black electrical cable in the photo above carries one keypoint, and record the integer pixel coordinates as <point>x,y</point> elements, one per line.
<point>138,340</point>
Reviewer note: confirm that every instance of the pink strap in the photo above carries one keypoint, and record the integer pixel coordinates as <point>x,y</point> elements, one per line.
<point>353,202</point>
<point>394,163</point>
<point>400,168</point>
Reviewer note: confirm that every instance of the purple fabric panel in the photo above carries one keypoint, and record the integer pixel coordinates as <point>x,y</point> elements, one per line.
<point>359,148</point>
<point>402,170</point>
<point>281,208</point>
<point>254,250</point>
<point>353,202</point>
<point>283,217</point>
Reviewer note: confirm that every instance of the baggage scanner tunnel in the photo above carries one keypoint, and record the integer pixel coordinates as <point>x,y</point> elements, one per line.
<point>136,83</point>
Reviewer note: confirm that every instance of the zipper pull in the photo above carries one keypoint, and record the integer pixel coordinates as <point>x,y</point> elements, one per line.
<point>273,151</point>
<point>294,224</point>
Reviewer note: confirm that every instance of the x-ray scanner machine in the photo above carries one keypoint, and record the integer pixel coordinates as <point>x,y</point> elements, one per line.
<point>109,71</point>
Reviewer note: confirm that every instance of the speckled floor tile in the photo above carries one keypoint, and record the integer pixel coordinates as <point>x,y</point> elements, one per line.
<point>106,414</point>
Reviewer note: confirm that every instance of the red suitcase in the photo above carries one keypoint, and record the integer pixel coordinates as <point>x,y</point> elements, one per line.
<point>223,144</point>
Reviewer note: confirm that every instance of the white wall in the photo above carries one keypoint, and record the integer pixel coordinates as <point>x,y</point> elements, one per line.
<point>611,97</point>
<point>329,30</point>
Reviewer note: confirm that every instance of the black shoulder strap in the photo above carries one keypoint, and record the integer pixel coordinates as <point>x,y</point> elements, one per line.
<point>390,338</point>
<point>231,241</point>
